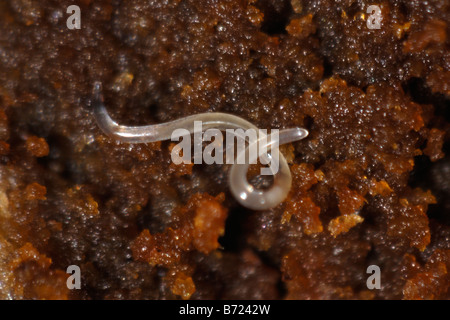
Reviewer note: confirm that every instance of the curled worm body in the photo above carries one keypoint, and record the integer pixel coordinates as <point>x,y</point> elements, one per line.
<point>242,190</point>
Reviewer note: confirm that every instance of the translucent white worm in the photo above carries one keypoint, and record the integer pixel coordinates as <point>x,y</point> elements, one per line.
<point>242,190</point>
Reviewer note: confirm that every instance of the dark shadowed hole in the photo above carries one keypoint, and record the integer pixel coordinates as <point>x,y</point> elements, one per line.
<point>233,239</point>
<point>276,15</point>
<point>403,10</point>
<point>420,93</point>
<point>60,158</point>
<point>268,261</point>
<point>427,175</point>
<point>327,68</point>
<point>353,10</point>
<point>434,176</point>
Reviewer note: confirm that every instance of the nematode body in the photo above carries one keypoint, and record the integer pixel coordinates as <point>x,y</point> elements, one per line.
<point>242,190</point>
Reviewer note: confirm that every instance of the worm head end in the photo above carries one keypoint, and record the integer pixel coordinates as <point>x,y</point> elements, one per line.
<point>302,133</point>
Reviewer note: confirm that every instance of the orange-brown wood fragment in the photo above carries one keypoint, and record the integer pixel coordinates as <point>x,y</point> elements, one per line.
<point>343,224</point>
<point>38,147</point>
<point>434,145</point>
<point>183,286</point>
<point>209,225</point>
<point>34,191</point>
<point>379,188</point>
<point>350,201</point>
